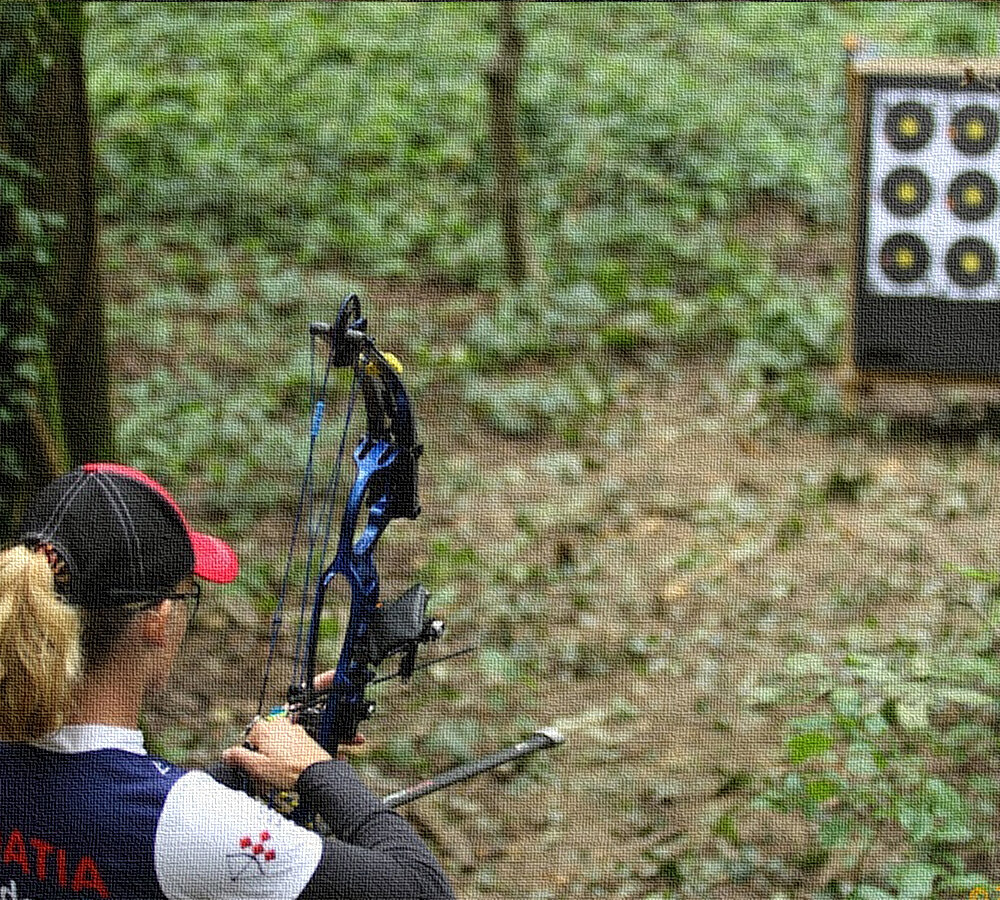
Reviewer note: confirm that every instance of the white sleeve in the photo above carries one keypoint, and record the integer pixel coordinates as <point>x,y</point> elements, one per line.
<point>214,843</point>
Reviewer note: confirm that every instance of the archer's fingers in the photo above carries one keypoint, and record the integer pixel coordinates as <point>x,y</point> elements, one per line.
<point>278,752</point>
<point>324,680</point>
<point>250,761</point>
<point>268,735</point>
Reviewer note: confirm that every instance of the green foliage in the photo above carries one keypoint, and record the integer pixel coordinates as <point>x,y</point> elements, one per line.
<point>531,406</point>
<point>357,138</point>
<point>304,149</point>
<point>455,740</point>
<point>794,329</point>
<point>358,132</point>
<point>865,764</point>
<point>223,401</point>
<point>26,386</point>
<point>532,325</point>
<point>446,566</point>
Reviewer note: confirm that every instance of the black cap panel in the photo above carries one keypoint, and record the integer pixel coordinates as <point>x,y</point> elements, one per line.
<point>120,540</point>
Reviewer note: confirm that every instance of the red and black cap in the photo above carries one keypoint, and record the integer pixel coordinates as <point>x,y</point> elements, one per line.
<point>121,536</point>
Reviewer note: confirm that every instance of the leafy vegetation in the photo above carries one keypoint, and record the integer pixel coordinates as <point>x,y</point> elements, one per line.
<point>26,387</point>
<point>289,131</point>
<point>866,765</point>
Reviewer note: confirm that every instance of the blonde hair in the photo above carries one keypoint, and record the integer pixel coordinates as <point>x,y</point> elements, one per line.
<point>40,656</point>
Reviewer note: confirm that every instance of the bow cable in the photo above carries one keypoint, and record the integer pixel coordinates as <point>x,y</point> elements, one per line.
<point>304,510</point>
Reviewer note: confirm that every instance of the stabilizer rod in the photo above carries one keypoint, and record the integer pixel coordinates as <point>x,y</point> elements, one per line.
<point>542,739</point>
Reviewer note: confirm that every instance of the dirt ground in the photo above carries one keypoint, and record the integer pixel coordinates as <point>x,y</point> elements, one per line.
<point>701,543</point>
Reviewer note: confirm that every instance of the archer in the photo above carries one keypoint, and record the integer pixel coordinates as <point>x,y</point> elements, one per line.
<point>93,610</point>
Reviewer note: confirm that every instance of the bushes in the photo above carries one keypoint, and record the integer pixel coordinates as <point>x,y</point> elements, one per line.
<point>356,134</point>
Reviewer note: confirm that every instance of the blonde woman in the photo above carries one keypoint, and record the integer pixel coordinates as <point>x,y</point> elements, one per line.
<point>93,609</point>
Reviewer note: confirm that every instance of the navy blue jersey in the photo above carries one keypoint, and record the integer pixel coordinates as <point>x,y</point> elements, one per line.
<point>87,814</point>
<point>81,824</point>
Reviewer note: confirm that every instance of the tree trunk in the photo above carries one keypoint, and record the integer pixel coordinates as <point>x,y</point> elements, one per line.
<point>76,336</point>
<point>501,80</point>
<point>53,371</point>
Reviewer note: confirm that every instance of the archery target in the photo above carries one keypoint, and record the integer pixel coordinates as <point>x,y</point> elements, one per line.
<point>932,198</point>
<point>973,129</point>
<point>906,192</point>
<point>909,125</point>
<point>970,262</point>
<point>972,196</point>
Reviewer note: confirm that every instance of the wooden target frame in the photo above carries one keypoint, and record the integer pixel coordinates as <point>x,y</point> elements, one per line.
<point>924,296</point>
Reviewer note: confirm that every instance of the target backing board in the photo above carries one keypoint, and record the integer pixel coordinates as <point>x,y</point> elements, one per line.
<point>925,295</point>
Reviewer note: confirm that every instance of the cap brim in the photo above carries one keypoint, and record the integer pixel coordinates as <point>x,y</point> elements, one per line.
<point>214,560</point>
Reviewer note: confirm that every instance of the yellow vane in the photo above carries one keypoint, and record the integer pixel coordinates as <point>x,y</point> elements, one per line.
<point>394,364</point>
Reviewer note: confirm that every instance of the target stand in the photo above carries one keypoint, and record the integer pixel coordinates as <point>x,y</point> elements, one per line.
<point>924,304</point>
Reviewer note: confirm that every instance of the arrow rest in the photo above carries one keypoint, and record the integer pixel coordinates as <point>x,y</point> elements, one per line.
<point>402,626</point>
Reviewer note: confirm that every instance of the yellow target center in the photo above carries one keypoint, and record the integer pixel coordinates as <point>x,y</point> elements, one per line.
<point>907,192</point>
<point>970,263</point>
<point>975,130</point>
<point>909,126</point>
<point>904,259</point>
<point>972,196</point>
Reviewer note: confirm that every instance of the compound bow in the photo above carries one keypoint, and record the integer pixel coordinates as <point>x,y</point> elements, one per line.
<point>386,483</point>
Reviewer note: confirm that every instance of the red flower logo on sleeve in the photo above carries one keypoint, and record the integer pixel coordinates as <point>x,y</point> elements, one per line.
<point>252,857</point>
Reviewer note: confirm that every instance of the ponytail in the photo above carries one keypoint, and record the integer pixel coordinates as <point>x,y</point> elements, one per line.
<point>40,656</point>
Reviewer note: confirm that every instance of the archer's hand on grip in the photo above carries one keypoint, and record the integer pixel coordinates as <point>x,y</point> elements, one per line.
<point>279,753</point>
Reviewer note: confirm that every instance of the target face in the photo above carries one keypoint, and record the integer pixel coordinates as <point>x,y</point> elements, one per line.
<point>972,196</point>
<point>970,262</point>
<point>932,224</point>
<point>909,125</point>
<point>906,192</point>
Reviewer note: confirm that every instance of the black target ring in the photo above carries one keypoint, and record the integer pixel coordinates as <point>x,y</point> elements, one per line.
<point>970,262</point>
<point>909,125</point>
<point>972,196</point>
<point>906,192</point>
<point>974,129</point>
<point>904,258</point>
